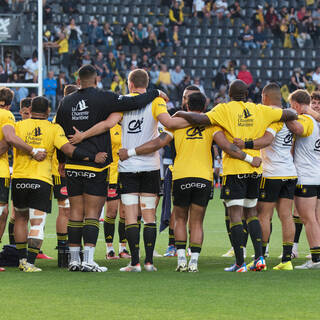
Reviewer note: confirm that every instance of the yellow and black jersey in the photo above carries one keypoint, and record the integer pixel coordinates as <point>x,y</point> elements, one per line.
<point>38,134</point>
<point>55,162</point>
<point>244,120</point>
<point>115,134</point>
<point>6,117</point>
<point>193,148</point>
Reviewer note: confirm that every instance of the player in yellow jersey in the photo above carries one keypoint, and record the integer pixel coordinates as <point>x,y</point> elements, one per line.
<point>31,180</point>
<point>192,179</point>
<point>240,187</point>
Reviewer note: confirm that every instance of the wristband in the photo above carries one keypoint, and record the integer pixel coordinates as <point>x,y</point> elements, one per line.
<point>248,144</point>
<point>248,158</point>
<point>132,152</point>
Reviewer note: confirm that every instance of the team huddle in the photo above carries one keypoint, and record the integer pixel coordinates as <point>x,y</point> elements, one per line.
<point>102,148</point>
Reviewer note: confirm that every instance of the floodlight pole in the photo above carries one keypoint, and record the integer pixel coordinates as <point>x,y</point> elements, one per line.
<point>40,47</point>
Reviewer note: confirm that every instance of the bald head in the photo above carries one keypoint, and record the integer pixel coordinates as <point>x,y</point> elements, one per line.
<point>238,90</point>
<point>271,95</point>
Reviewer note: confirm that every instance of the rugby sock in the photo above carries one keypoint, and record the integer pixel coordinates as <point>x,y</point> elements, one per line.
<point>88,254</point>
<point>11,231</point>
<point>75,232</point>
<point>181,251</point>
<point>22,250</point>
<point>227,220</point>
<point>298,224</point>
<point>32,254</point>
<point>149,237</point>
<point>75,254</point>
<point>254,229</point>
<point>286,251</point>
<point>90,231</point>
<point>122,230</point>
<point>62,239</point>
<point>270,231</point>
<point>171,237</point>
<point>109,226</point>
<point>133,235</point>
<point>139,222</point>
<point>315,254</point>
<point>237,235</point>
<point>264,248</point>
<point>195,252</point>
<point>245,230</point>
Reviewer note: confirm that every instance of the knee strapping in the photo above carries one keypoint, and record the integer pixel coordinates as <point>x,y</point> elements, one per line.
<point>129,199</point>
<point>1,210</point>
<point>64,204</point>
<point>40,227</point>
<point>148,202</point>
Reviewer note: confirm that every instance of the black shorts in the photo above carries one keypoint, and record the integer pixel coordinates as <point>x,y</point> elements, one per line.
<point>60,188</point>
<point>240,186</point>
<point>4,189</point>
<point>31,193</point>
<point>307,191</point>
<point>140,182</point>
<point>113,192</point>
<point>85,181</point>
<point>191,190</point>
<point>273,189</point>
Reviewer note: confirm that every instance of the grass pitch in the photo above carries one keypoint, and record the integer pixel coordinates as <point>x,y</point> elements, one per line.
<point>209,294</point>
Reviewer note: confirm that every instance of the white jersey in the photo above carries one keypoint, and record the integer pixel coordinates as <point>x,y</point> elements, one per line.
<point>139,127</point>
<point>307,156</point>
<point>277,161</point>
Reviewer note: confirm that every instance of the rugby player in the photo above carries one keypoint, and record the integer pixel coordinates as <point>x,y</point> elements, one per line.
<point>240,185</point>
<point>31,180</point>
<point>192,179</point>
<point>87,182</point>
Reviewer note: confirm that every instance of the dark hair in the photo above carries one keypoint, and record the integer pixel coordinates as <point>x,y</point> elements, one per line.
<point>300,96</point>
<point>196,101</point>
<point>139,78</point>
<point>69,89</point>
<point>6,96</point>
<point>238,90</point>
<point>192,88</point>
<point>25,103</point>
<point>40,104</point>
<point>87,72</point>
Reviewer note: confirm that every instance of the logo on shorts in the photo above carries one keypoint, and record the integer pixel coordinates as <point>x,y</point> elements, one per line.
<point>112,193</point>
<point>304,190</point>
<point>80,174</point>
<point>32,186</point>
<point>287,141</point>
<point>317,146</point>
<point>227,191</point>
<point>195,133</point>
<point>190,185</point>
<point>135,126</point>
<point>64,191</point>
<point>263,194</point>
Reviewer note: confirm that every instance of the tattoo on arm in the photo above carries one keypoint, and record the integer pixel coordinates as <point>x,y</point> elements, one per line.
<point>162,136</point>
<point>236,149</point>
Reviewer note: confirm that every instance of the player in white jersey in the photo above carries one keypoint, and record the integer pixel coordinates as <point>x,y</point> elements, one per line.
<point>306,160</point>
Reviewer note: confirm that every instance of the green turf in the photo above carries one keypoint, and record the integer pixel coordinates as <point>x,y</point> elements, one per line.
<point>209,294</point>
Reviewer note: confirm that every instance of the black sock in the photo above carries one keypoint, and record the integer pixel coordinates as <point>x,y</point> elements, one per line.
<point>286,251</point>
<point>195,247</point>
<point>75,232</point>
<point>90,231</point>
<point>245,230</point>
<point>264,248</point>
<point>270,231</point>
<point>298,224</point>
<point>133,235</point>
<point>181,244</point>
<point>227,220</point>
<point>22,250</point>
<point>139,222</point>
<point>109,226</point>
<point>122,230</point>
<point>32,254</point>
<point>171,237</point>
<point>255,235</point>
<point>62,239</point>
<point>237,235</point>
<point>11,231</point>
<point>149,237</point>
<point>315,254</point>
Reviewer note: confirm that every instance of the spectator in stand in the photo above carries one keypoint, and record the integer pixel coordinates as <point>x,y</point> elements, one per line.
<point>63,50</point>
<point>197,82</point>
<point>158,58</point>
<point>62,81</point>
<point>99,82</point>
<point>107,36</point>
<point>4,6</point>
<point>177,76</point>
<point>140,33</point>
<point>284,12</point>
<point>112,62</point>
<point>273,22</point>
<point>292,13</point>
<point>128,35</point>
<point>122,62</point>
<point>316,18</point>
<point>255,91</point>
<point>247,39</point>
<point>303,34</point>
<point>199,8</point>
<point>69,7</point>
<point>3,75</point>
<point>176,13</point>
<point>145,62</point>
<point>150,44</point>
<point>163,39</point>
<point>73,34</point>
<point>78,55</point>
<point>186,82</point>
<point>220,9</point>
<point>301,13</point>
<point>164,80</point>
<point>95,34</point>
<point>10,66</point>
<point>149,29</point>
<point>235,10</point>
<point>221,78</point>
<point>154,75</point>
<point>221,96</point>
<point>245,75</point>
<point>293,30</point>
<point>133,61</point>
<point>231,75</point>
<point>258,17</point>
<point>99,63</point>
<point>47,14</point>
<point>19,93</point>
<point>261,39</point>
<point>31,67</point>
<point>297,80</point>
<point>175,38</point>
<point>107,77</point>
<point>118,85</point>
<point>87,58</point>
<point>50,89</point>
<point>316,78</point>
<point>311,29</point>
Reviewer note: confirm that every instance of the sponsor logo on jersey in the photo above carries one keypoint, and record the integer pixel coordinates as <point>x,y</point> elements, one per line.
<point>135,126</point>
<point>195,133</point>
<point>317,146</point>
<point>243,119</point>
<point>80,112</point>
<point>288,139</point>
<point>37,132</point>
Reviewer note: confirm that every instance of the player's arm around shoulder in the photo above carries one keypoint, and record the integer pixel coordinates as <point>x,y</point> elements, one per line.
<point>302,127</point>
